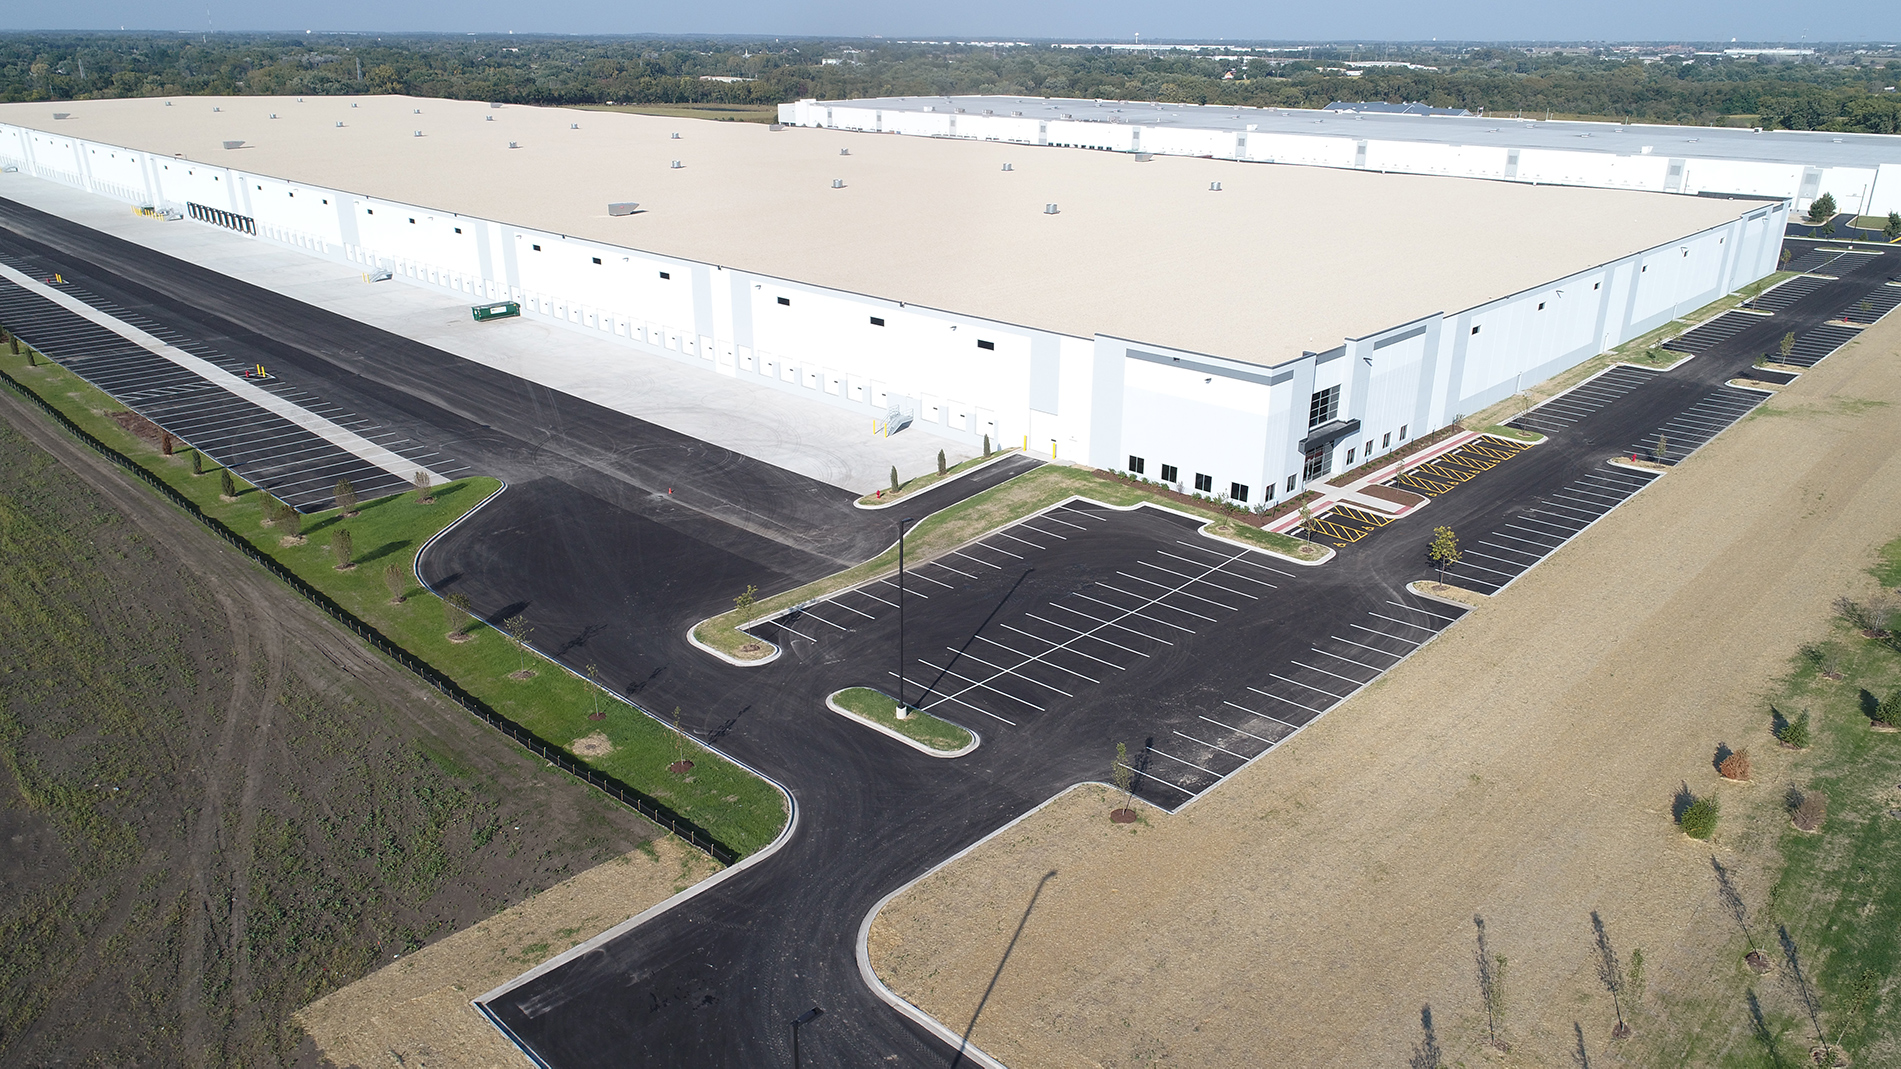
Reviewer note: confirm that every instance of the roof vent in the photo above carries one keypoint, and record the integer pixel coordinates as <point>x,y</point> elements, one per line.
<point>62,115</point>
<point>1049,209</point>
<point>1144,157</point>
<point>677,165</point>
<point>623,207</point>
<point>776,126</point>
<point>838,183</point>
<point>492,103</point>
<point>234,144</point>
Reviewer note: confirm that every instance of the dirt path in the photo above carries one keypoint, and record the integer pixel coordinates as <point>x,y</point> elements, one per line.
<point>1521,768</point>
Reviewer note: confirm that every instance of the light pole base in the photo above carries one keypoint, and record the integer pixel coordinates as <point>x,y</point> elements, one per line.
<point>900,712</point>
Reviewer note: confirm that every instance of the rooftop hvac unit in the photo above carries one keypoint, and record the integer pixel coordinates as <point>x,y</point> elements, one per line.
<point>62,115</point>
<point>300,100</point>
<point>1007,167</point>
<point>844,152</point>
<point>623,207</point>
<point>511,144</point>
<point>419,133</point>
<point>339,126</point>
<point>838,183</point>
<point>1049,209</point>
<point>676,137</point>
<point>490,118</point>
<point>677,165</point>
<point>776,126</point>
<point>221,109</point>
<point>415,111</point>
<point>234,144</point>
<point>494,103</point>
<point>1144,157</point>
<point>1214,187</point>
<point>273,115</point>
<point>574,126</point>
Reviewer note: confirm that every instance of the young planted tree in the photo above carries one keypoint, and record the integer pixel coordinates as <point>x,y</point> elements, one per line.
<point>1306,522</point>
<point>1888,712</point>
<point>1822,208</point>
<point>396,579</point>
<point>1443,550</point>
<point>1794,734</point>
<point>680,766</point>
<point>1699,818</point>
<point>292,522</point>
<point>344,548</point>
<point>423,496</point>
<point>197,462</point>
<point>986,447</point>
<point>1124,779</point>
<point>457,615</point>
<point>942,467</point>
<point>1786,345</point>
<point>1808,809</point>
<point>1610,973</point>
<point>268,506</point>
<point>1735,766</point>
<point>744,602</point>
<point>227,486</point>
<point>1892,230</point>
<point>518,632</point>
<point>1634,978</point>
<point>1662,452</point>
<point>346,497</point>
<point>167,445</point>
<point>1491,977</point>
<point>594,692</point>
<point>894,478</point>
<point>1787,255</point>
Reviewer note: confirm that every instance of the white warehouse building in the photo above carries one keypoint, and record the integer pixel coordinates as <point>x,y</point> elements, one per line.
<point>1230,329</point>
<point>1861,171</point>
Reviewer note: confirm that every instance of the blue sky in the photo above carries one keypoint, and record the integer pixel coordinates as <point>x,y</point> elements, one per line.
<point>1623,20</point>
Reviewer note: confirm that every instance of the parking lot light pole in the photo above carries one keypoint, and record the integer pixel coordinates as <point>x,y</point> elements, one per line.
<point>804,1018</point>
<point>900,711</point>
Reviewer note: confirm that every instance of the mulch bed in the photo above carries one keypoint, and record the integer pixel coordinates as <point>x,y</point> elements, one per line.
<point>1252,519</point>
<point>137,424</point>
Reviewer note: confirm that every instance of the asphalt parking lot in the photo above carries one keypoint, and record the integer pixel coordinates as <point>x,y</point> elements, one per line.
<point>294,463</point>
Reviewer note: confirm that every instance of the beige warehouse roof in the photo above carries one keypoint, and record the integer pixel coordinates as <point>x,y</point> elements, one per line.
<point>1284,258</point>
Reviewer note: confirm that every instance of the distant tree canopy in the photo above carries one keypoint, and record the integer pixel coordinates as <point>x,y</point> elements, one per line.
<point>1835,91</point>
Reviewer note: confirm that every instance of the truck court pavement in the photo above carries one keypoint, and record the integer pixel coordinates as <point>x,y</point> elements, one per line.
<point>1055,638</point>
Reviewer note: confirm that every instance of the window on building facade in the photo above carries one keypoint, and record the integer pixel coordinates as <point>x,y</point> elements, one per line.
<point>1137,465</point>
<point>1171,474</point>
<point>1238,491</point>
<point>1204,484</point>
<point>1324,407</point>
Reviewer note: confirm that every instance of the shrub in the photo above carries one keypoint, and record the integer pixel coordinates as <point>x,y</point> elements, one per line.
<point>894,478</point>
<point>1808,809</point>
<point>940,463</point>
<point>197,462</point>
<point>1735,766</point>
<point>343,546</point>
<point>396,580</point>
<point>986,445</point>
<point>226,484</point>
<point>1795,733</point>
<point>346,497</point>
<point>292,521</point>
<point>1888,712</point>
<point>1699,817</point>
<point>1822,208</point>
<point>423,496</point>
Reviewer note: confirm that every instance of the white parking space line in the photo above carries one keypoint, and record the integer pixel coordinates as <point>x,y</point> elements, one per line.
<point>1152,777</point>
<point>1107,623</point>
<point>1239,559</point>
<point>781,626</point>
<point>977,683</point>
<point>1236,730</point>
<point>1132,612</point>
<point>1001,671</point>
<point>1324,672</point>
<point>874,597</point>
<point>1226,574</point>
<point>1085,634</point>
<point>1375,649</point>
<point>1183,593</point>
<point>1070,649</point>
<point>810,615</point>
<point>950,569</point>
<point>1387,634</point>
<point>1065,523</point>
<point>979,560</point>
<point>1348,660</point>
<point>1053,648</point>
<point>1508,549</point>
<point>942,698</point>
<point>1177,760</point>
<point>1545,547</point>
<point>920,575</point>
<point>1014,538</point>
<point>1403,623</point>
<point>994,549</point>
<point>1309,686</point>
<point>1423,612</point>
<point>848,608</point>
<point>1481,567</point>
<point>1204,582</point>
<point>1159,601</point>
<point>1211,745</point>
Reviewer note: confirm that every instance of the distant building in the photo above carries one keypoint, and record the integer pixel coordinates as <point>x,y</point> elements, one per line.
<point>1378,107</point>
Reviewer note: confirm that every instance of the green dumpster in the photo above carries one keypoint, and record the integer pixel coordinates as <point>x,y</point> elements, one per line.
<point>500,310</point>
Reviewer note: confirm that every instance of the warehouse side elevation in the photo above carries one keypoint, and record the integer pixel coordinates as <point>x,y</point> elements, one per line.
<point>1185,318</point>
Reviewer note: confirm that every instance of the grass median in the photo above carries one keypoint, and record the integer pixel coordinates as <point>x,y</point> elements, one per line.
<point>931,478</point>
<point>971,519</point>
<point>920,727</point>
<point>737,807</point>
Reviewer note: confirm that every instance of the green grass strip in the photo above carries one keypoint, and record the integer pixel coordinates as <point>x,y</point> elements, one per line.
<point>733,806</point>
<point>919,726</point>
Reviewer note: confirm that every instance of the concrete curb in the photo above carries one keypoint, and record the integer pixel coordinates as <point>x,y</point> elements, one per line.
<point>927,751</point>
<point>729,658</point>
<point>945,481</point>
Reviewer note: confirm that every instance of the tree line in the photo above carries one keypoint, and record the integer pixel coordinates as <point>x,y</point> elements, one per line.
<point>1843,91</point>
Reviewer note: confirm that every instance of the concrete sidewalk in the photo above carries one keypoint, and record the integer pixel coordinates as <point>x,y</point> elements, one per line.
<point>1353,493</point>
<point>816,440</point>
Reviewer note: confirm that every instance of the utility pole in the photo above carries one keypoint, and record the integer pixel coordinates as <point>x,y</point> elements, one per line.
<point>899,712</point>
